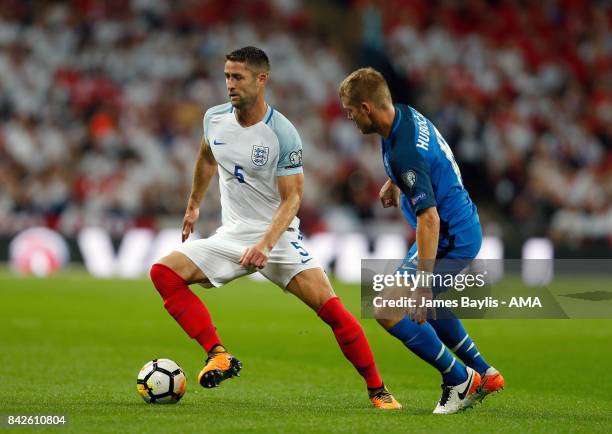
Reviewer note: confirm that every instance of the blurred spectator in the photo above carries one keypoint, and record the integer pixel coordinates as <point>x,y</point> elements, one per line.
<point>101,104</point>
<point>523,93</point>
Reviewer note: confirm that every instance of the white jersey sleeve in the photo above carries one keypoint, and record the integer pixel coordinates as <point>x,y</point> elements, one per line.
<point>290,146</point>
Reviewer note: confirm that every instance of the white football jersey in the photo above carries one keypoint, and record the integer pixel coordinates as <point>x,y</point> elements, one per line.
<point>249,160</point>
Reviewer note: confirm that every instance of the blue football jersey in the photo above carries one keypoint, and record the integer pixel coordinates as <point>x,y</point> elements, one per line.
<point>420,162</point>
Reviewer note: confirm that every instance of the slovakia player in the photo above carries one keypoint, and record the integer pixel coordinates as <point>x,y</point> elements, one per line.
<point>422,170</point>
<point>258,154</point>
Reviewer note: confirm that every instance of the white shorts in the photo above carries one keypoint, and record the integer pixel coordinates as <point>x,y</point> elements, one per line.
<point>218,257</point>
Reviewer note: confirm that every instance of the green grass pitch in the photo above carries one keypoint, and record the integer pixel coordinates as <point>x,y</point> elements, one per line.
<point>73,345</point>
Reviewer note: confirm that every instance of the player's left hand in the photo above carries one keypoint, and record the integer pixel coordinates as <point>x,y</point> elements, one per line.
<point>389,195</point>
<point>255,256</point>
<point>422,295</point>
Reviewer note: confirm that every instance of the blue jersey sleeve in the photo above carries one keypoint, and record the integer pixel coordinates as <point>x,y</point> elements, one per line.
<point>412,173</point>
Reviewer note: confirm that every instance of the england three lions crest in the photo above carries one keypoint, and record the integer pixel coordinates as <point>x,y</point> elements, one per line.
<point>259,156</point>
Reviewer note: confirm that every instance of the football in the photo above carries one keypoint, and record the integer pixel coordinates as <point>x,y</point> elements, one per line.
<point>161,381</point>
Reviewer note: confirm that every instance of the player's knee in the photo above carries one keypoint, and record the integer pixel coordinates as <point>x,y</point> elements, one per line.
<point>378,313</point>
<point>184,268</point>
<point>383,315</point>
<point>387,323</point>
<point>167,261</point>
<point>165,279</point>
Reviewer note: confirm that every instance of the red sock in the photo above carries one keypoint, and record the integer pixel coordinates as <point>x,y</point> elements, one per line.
<point>184,306</point>
<point>351,339</point>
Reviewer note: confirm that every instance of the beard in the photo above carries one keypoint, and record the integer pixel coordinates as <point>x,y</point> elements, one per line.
<point>243,101</point>
<point>366,128</point>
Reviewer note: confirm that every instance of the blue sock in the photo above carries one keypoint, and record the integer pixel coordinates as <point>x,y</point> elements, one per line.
<point>455,337</point>
<point>422,340</point>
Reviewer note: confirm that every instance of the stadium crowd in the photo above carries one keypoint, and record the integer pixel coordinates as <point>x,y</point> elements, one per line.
<point>523,93</point>
<point>101,106</point>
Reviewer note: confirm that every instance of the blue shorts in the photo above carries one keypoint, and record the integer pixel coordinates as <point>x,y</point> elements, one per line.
<point>455,253</point>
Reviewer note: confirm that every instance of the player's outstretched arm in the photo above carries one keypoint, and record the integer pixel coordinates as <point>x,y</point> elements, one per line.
<point>205,168</point>
<point>290,188</point>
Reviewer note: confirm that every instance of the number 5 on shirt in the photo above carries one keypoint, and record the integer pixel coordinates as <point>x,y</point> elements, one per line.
<point>239,176</point>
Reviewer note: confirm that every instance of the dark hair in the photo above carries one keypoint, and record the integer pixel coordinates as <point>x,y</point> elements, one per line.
<point>252,56</point>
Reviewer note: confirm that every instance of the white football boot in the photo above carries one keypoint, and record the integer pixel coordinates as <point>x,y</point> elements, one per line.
<point>459,397</point>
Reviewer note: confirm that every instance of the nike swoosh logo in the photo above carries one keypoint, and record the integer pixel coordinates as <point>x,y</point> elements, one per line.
<point>218,143</point>
<point>469,383</point>
<point>306,260</point>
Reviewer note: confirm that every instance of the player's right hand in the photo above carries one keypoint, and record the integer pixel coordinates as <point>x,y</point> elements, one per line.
<point>191,216</point>
<point>422,297</point>
<point>389,195</point>
<point>255,256</point>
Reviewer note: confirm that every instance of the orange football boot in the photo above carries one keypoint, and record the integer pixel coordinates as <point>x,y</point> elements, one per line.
<point>492,381</point>
<point>219,366</point>
<point>383,400</point>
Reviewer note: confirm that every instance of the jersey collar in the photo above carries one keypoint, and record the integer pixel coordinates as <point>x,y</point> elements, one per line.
<point>266,118</point>
<point>268,115</point>
<point>396,121</point>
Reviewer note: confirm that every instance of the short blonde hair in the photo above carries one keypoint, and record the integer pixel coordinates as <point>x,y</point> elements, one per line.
<point>365,84</point>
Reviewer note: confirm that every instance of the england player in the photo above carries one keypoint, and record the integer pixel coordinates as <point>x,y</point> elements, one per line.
<point>423,172</point>
<point>258,154</point>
